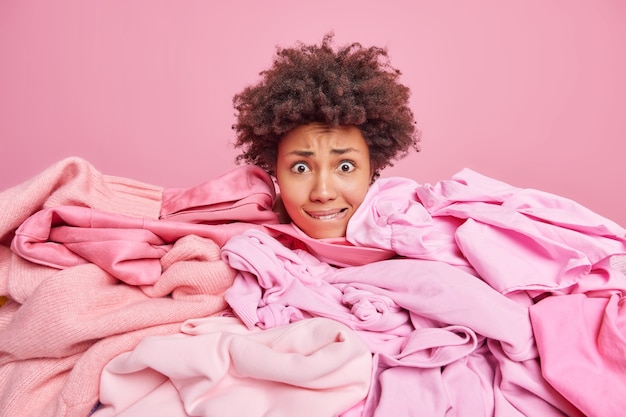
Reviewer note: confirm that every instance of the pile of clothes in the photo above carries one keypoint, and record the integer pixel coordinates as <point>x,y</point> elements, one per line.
<point>469,296</point>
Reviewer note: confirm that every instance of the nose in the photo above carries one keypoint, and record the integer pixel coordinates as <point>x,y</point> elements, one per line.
<point>323,188</point>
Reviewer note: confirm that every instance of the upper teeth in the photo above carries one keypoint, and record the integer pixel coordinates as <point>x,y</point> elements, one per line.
<point>326,216</point>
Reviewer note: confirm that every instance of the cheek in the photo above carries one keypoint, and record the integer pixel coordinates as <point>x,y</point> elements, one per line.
<point>357,191</point>
<point>357,197</point>
<point>291,194</point>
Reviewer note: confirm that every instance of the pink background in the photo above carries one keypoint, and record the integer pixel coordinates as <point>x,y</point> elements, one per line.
<point>529,92</point>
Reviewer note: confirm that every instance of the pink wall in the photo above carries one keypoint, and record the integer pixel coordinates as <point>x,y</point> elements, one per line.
<point>529,92</point>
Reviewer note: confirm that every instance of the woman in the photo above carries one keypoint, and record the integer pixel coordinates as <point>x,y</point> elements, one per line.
<point>324,122</point>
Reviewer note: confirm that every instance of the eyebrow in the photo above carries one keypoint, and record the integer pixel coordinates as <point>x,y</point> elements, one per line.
<point>337,151</point>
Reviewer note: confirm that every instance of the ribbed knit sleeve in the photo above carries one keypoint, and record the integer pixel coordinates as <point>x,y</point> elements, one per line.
<point>74,181</point>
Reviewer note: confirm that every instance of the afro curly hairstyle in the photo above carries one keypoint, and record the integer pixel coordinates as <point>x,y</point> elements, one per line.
<point>350,85</point>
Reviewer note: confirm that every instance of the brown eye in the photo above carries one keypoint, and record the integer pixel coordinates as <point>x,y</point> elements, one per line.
<point>346,166</point>
<point>299,168</point>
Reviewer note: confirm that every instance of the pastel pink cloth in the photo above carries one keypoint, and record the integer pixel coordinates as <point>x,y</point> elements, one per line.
<point>493,298</point>
<point>244,194</point>
<point>218,367</point>
<point>336,251</point>
<point>129,248</point>
<point>526,245</point>
<point>480,223</point>
<point>62,323</point>
<point>428,324</point>
<point>582,342</point>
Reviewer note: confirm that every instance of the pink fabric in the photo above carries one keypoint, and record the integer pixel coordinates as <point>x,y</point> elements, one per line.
<point>430,322</point>
<point>218,367</point>
<point>244,194</point>
<point>336,251</point>
<point>474,221</point>
<point>63,323</point>
<point>425,322</point>
<point>582,341</point>
<point>54,345</point>
<point>393,218</point>
<point>523,243</point>
<point>129,248</point>
<point>72,181</point>
<point>296,280</point>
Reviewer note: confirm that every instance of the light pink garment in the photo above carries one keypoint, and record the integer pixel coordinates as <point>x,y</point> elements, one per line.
<point>392,217</point>
<point>54,345</point>
<point>434,290</point>
<point>474,221</point>
<point>277,285</point>
<point>218,367</point>
<point>244,194</point>
<point>335,251</point>
<point>72,181</point>
<point>451,312</point>
<point>127,247</point>
<point>582,342</point>
<point>448,295</point>
<point>61,326</point>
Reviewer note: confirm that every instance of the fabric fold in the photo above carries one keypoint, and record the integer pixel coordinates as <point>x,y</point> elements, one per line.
<point>218,367</point>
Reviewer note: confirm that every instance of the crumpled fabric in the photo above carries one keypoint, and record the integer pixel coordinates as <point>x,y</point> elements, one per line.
<point>218,367</point>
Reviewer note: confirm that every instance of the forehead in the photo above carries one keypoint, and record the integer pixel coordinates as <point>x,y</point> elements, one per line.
<point>319,137</point>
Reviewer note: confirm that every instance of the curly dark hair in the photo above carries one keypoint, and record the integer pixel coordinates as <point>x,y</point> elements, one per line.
<point>351,85</point>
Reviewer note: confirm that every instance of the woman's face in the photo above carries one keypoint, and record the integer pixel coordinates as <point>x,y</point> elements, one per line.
<point>323,173</point>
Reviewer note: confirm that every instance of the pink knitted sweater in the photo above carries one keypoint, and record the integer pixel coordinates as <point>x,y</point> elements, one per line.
<point>60,326</point>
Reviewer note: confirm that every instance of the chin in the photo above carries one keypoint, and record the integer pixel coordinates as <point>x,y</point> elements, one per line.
<point>326,234</point>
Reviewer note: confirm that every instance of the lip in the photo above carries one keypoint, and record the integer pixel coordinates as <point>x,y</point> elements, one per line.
<point>327,215</point>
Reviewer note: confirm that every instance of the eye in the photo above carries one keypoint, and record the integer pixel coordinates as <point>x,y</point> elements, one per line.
<point>346,166</point>
<point>299,168</point>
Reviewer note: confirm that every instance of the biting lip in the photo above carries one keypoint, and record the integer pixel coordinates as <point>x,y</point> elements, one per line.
<point>327,215</point>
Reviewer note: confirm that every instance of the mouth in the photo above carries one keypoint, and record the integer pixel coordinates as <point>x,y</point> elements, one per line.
<point>327,215</point>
